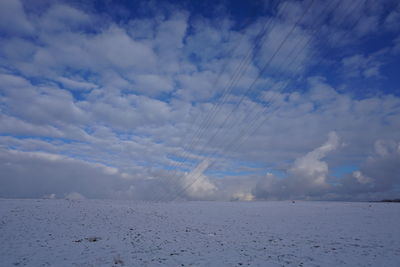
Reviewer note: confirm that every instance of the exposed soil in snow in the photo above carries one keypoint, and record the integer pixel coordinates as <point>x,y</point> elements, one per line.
<point>123,233</point>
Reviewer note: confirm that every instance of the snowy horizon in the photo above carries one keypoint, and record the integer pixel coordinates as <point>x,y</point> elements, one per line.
<point>209,100</point>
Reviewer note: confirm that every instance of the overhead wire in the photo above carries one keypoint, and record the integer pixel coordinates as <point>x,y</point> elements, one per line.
<point>263,111</point>
<point>236,75</point>
<point>238,144</point>
<point>259,75</point>
<point>251,87</point>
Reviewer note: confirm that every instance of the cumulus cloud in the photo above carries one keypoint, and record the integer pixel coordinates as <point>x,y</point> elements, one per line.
<point>196,185</point>
<point>310,168</point>
<point>307,177</point>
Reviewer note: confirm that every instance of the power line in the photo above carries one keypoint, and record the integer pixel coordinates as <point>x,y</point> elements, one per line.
<point>239,71</point>
<point>237,75</point>
<point>254,82</point>
<point>263,111</point>
<point>256,128</point>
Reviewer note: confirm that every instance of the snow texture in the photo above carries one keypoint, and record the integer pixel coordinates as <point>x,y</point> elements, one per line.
<point>53,232</point>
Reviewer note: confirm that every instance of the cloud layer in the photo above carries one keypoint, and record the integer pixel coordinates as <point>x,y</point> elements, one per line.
<point>298,102</point>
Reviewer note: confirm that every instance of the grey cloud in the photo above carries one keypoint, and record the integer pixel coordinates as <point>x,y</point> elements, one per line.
<point>378,177</point>
<point>36,174</point>
<point>309,178</point>
<point>384,167</point>
<point>17,49</point>
<point>13,19</point>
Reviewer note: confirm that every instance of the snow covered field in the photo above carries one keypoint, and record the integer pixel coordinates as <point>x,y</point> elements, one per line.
<point>116,233</point>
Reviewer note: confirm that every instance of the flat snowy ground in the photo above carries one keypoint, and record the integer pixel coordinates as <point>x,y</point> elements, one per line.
<point>116,233</point>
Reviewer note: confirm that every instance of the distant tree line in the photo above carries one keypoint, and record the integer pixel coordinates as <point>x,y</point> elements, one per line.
<point>391,200</point>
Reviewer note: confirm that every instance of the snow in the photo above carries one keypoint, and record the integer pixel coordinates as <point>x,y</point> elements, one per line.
<point>53,232</point>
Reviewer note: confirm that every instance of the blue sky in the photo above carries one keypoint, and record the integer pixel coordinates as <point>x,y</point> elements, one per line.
<point>213,100</point>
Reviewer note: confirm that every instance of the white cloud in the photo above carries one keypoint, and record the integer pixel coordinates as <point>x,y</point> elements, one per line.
<point>386,147</point>
<point>116,47</point>
<point>361,66</point>
<point>151,84</point>
<point>361,178</point>
<point>12,125</point>
<point>76,85</point>
<point>61,17</point>
<point>293,46</point>
<point>196,185</point>
<point>171,32</point>
<point>310,168</point>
